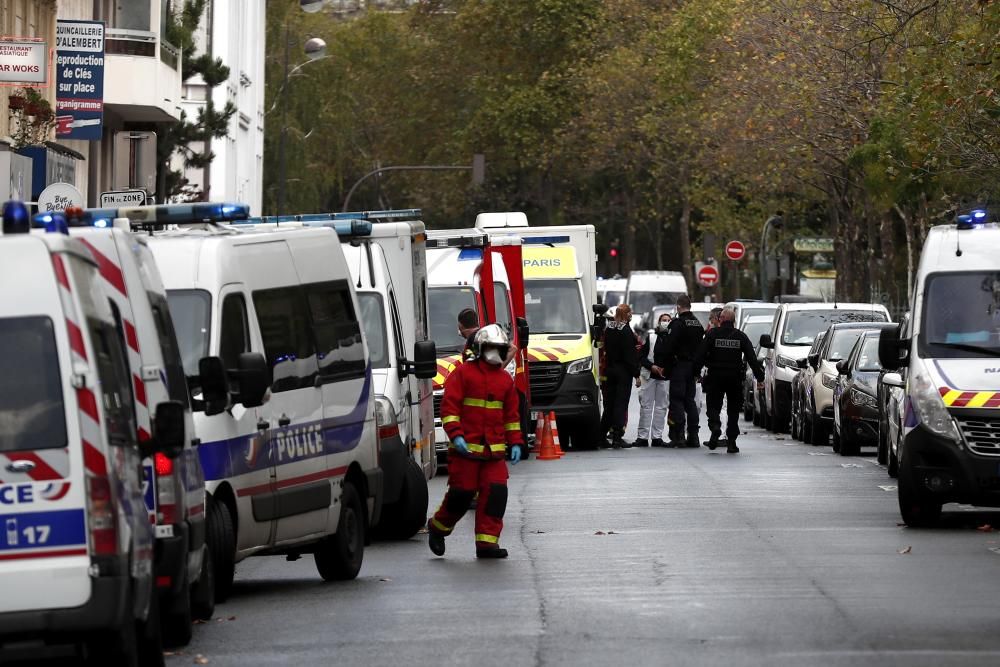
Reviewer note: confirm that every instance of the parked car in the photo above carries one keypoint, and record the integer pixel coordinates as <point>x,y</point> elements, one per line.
<point>746,309</point>
<point>817,408</point>
<point>754,328</point>
<point>891,401</point>
<point>855,408</point>
<point>800,386</point>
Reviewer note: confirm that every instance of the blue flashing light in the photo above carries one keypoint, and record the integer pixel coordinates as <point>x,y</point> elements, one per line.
<point>56,224</point>
<point>16,219</point>
<point>102,223</point>
<point>169,214</point>
<point>543,240</point>
<point>979,214</point>
<point>470,254</point>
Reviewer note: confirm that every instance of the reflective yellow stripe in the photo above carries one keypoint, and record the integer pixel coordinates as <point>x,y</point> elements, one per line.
<point>480,403</point>
<point>979,400</point>
<point>483,537</point>
<point>512,426</point>
<point>440,526</point>
<point>449,419</point>
<point>476,449</point>
<point>951,397</point>
<point>498,448</point>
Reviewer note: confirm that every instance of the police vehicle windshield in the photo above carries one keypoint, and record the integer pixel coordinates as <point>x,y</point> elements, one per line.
<point>554,306</point>
<point>961,315</point>
<point>373,320</point>
<point>802,326</point>
<point>190,309</point>
<point>643,302</point>
<point>31,397</point>
<point>444,305</point>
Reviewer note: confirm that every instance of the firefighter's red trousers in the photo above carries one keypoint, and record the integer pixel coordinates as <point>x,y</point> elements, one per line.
<point>465,478</point>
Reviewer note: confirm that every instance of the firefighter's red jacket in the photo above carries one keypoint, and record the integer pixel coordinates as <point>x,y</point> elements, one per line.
<point>480,404</point>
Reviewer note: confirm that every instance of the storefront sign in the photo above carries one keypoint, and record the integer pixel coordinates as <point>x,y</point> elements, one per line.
<point>79,79</point>
<point>23,60</point>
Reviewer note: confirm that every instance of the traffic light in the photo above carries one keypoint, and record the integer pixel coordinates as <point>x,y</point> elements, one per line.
<point>613,251</point>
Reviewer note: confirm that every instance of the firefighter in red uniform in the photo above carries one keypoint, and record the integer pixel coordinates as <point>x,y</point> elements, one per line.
<point>479,413</point>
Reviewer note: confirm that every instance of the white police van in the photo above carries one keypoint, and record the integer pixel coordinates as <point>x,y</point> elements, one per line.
<point>76,547</point>
<point>385,251</point>
<point>950,447</point>
<point>269,334</point>
<point>173,488</point>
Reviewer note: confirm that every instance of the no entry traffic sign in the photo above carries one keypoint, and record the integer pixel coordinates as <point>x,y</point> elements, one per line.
<point>735,250</point>
<point>708,276</point>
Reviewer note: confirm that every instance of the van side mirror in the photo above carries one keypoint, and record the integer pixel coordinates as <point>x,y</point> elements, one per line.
<point>891,351</point>
<point>842,367</point>
<point>813,360</point>
<point>802,363</point>
<point>214,385</point>
<point>253,377</point>
<point>893,380</point>
<point>523,333</point>
<point>599,309</point>
<point>424,364</point>
<point>766,342</point>
<point>168,431</point>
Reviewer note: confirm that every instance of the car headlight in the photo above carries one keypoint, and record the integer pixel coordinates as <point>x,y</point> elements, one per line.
<point>863,399</point>
<point>928,406</point>
<point>785,362</point>
<point>584,365</point>
<point>829,380</point>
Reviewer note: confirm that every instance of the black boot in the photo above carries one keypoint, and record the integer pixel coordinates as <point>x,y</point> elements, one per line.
<point>693,440</point>
<point>713,441</point>
<point>436,542</point>
<point>732,448</point>
<point>495,552</point>
<point>675,434</point>
<point>658,442</point>
<point>640,442</point>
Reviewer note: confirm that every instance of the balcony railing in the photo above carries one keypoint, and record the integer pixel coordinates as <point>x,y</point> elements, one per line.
<point>140,43</point>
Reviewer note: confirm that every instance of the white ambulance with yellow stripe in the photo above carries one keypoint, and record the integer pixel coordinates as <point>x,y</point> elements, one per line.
<point>950,447</point>
<point>560,290</point>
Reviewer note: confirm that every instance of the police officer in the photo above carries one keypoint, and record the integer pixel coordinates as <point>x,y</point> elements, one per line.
<point>723,351</point>
<point>479,412</point>
<point>673,358</point>
<point>622,369</point>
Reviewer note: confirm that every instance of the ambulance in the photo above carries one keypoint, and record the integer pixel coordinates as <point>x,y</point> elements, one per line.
<point>385,251</point>
<point>459,263</point>
<point>270,339</point>
<point>173,489</point>
<point>950,448</point>
<point>560,291</point>
<point>76,543</point>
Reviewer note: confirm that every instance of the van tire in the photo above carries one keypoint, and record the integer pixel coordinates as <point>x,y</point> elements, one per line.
<point>177,625</point>
<point>149,639</point>
<point>221,548</point>
<point>203,591</point>
<point>917,511</point>
<point>339,556</point>
<point>405,517</point>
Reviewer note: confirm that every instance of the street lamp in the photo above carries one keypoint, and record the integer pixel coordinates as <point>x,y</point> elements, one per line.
<point>774,221</point>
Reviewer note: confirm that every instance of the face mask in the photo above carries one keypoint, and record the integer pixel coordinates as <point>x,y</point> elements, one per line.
<point>662,326</point>
<point>492,356</point>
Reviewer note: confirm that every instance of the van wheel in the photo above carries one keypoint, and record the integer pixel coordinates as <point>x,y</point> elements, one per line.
<point>883,444</point>
<point>917,511</point>
<point>177,625</point>
<point>221,548</point>
<point>203,592</point>
<point>893,466</point>
<point>338,557</point>
<point>402,519</point>
<point>118,648</point>
<point>585,434</point>
<point>148,635</point>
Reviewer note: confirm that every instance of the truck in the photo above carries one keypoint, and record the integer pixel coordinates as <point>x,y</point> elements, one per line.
<point>560,280</point>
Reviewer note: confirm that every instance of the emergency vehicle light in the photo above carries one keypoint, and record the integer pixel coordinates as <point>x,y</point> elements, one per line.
<point>457,242</point>
<point>15,218</point>
<point>52,221</point>
<point>543,240</point>
<point>168,214</point>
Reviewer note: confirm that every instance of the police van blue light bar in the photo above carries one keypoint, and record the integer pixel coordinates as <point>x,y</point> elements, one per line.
<point>344,228</point>
<point>974,218</point>
<point>543,240</point>
<point>16,219</point>
<point>168,214</point>
<point>477,241</point>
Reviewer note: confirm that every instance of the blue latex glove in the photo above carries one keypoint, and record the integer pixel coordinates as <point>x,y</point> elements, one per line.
<point>461,445</point>
<point>515,454</point>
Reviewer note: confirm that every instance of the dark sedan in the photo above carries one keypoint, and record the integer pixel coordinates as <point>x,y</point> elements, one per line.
<point>855,402</point>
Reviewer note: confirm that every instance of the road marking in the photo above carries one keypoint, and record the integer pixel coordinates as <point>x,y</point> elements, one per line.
<point>995,550</point>
<point>851,465</point>
<point>888,487</point>
<point>820,454</point>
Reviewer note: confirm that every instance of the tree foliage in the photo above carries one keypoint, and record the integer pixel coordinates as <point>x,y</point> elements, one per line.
<point>657,121</point>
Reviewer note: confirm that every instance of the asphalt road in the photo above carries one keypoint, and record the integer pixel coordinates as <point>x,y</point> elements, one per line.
<point>783,555</point>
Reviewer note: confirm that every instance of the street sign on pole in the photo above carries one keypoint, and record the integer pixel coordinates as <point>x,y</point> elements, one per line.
<point>708,276</point>
<point>735,251</point>
<point>59,197</point>
<point>116,198</point>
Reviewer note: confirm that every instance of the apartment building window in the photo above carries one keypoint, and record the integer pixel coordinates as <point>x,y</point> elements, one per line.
<point>128,14</point>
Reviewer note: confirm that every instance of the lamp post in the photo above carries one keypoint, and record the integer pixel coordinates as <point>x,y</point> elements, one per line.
<point>773,221</point>
<point>315,50</point>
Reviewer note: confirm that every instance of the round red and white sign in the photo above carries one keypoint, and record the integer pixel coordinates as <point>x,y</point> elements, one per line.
<point>708,276</point>
<point>735,250</point>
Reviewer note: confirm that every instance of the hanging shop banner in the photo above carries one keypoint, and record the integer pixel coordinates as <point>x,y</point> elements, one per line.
<point>79,79</point>
<point>23,60</point>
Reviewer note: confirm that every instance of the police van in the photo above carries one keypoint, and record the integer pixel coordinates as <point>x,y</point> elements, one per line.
<point>267,323</point>
<point>950,447</point>
<point>173,488</point>
<point>76,547</point>
<point>385,251</point>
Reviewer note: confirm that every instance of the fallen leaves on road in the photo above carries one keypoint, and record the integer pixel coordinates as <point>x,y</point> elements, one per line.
<point>905,550</point>
<point>232,618</point>
<point>200,660</point>
<point>422,531</point>
<point>199,621</point>
<point>171,654</point>
<point>600,532</point>
<point>385,579</point>
<point>985,528</point>
<point>538,532</point>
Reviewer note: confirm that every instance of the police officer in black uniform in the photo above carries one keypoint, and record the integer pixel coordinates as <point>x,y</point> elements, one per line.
<point>673,358</point>
<point>723,351</point>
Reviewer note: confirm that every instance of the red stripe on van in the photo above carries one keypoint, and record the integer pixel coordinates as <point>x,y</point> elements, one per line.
<point>108,269</point>
<point>60,270</point>
<point>130,337</point>
<point>94,460</point>
<point>45,554</point>
<point>42,470</point>
<point>140,389</point>
<point>294,481</point>
<point>88,404</point>
<point>76,339</point>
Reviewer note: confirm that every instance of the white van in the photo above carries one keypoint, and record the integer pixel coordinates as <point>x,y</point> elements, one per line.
<point>76,547</point>
<point>173,488</point>
<point>646,289</point>
<point>795,327</point>
<point>611,291</point>
<point>389,270</point>
<point>268,328</point>
<point>950,447</point>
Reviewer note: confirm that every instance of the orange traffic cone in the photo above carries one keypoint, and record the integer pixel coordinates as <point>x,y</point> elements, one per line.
<point>539,430</point>
<point>555,434</point>
<point>547,452</point>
